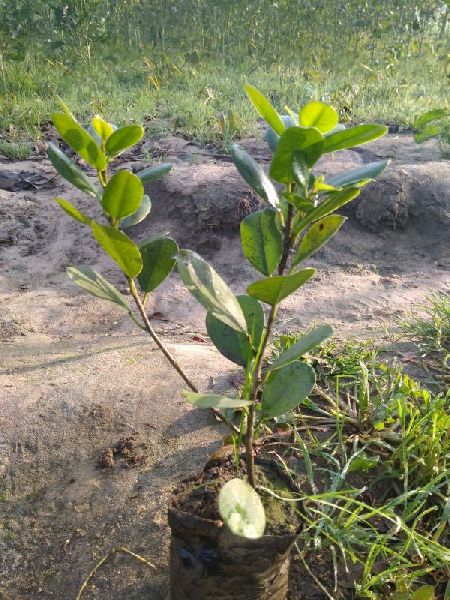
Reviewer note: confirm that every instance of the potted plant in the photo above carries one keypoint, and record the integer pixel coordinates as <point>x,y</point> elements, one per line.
<point>231,534</point>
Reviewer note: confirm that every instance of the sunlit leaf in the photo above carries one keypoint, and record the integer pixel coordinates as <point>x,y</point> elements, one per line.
<point>273,290</point>
<point>354,136</point>
<point>214,401</point>
<point>124,138</point>
<point>265,109</point>
<point>241,509</point>
<point>123,195</point>
<point>119,247</point>
<point>154,173</point>
<point>319,115</point>
<point>254,175</point>
<point>307,143</point>
<point>305,344</point>
<point>95,284</point>
<point>79,140</point>
<point>319,234</point>
<point>137,216</point>
<point>361,174</point>
<point>69,170</point>
<point>73,212</point>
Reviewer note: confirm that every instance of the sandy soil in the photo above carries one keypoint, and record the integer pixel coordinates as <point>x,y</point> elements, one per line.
<point>77,380</point>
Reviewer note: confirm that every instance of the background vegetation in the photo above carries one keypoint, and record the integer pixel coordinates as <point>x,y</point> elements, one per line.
<point>181,64</point>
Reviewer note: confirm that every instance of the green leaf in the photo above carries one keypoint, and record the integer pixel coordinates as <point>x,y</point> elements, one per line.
<point>119,247</point>
<point>73,212</point>
<point>69,170</point>
<point>139,215</point>
<point>363,463</point>
<point>305,344</point>
<point>272,138</point>
<point>241,509</point>
<point>79,140</point>
<point>354,136</point>
<point>332,202</point>
<point>254,175</point>
<point>123,195</point>
<point>95,284</point>
<point>158,256</point>
<point>308,143</point>
<point>123,138</point>
<point>361,174</point>
<point>286,388</point>
<point>234,345</point>
<point>265,109</point>
<point>102,128</point>
<point>300,171</point>
<point>210,290</point>
<point>320,233</point>
<point>153,173</point>
<point>428,132</point>
<point>273,290</point>
<point>262,242</point>
<point>319,115</point>
<point>428,117</point>
<point>425,592</point>
<point>214,401</point>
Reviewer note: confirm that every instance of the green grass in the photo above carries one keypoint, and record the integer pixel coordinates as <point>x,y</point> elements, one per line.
<point>174,95</point>
<point>16,150</point>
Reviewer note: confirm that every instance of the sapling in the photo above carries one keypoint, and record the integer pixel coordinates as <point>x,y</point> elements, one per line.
<point>296,222</point>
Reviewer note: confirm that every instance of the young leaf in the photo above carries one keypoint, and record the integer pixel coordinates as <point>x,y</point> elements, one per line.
<point>428,117</point>
<point>69,170</point>
<point>79,140</point>
<point>95,284</point>
<point>210,290</point>
<point>123,138</point>
<point>139,215</point>
<point>123,195</point>
<point>254,175</point>
<point>305,344</point>
<point>119,247</point>
<point>158,256</point>
<point>319,115</point>
<point>320,233</point>
<point>153,173</point>
<point>359,175</point>
<point>332,202</point>
<point>214,401</point>
<point>265,109</point>
<point>273,290</point>
<point>354,136</point>
<point>241,509</point>
<point>102,128</point>
<point>286,388</point>
<point>262,242</point>
<point>308,143</point>
<point>234,345</point>
<point>73,212</point>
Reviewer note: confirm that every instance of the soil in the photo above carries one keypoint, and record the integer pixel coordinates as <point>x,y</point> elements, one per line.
<point>94,433</point>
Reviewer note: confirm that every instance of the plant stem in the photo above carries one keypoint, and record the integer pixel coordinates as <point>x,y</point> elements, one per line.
<point>148,327</point>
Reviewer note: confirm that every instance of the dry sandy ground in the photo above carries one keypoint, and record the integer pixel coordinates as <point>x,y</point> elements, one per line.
<point>76,379</point>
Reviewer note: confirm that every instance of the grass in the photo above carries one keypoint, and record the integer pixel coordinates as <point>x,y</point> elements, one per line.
<point>16,150</point>
<point>175,95</point>
<point>377,445</point>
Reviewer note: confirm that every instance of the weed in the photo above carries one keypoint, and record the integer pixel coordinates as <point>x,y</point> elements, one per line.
<point>16,150</point>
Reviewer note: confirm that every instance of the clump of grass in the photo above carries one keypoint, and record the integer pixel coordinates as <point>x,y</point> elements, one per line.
<point>16,150</point>
<point>429,326</point>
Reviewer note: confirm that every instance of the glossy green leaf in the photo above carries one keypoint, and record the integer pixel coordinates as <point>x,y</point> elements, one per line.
<point>73,212</point>
<point>304,345</point>
<point>307,143</point>
<point>254,175</point>
<point>123,138</point>
<point>272,138</point>
<point>102,128</point>
<point>210,290</point>
<point>69,170</point>
<point>319,115</point>
<point>262,242</point>
<point>361,174</point>
<point>354,136</point>
<point>241,509</point>
<point>123,195</point>
<point>425,592</point>
<point>286,388</point>
<point>265,109</point>
<point>431,115</point>
<point>158,257</point>
<point>273,290</point>
<point>119,247</point>
<point>95,284</point>
<point>331,203</point>
<point>79,140</point>
<point>235,345</point>
<point>214,401</point>
<point>320,233</point>
<point>139,215</point>
<point>154,173</point>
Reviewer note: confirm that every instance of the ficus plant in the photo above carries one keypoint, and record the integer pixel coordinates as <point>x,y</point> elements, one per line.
<point>299,218</point>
